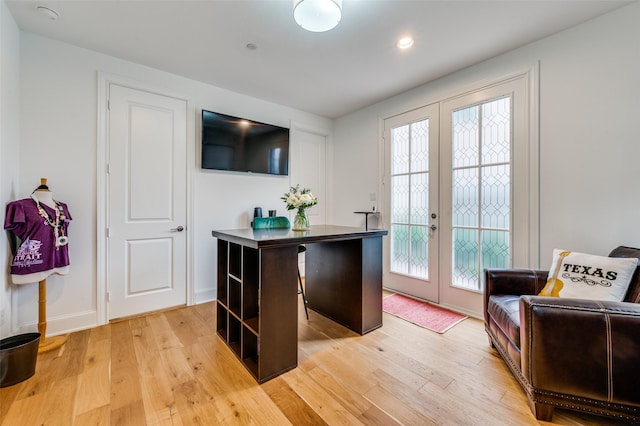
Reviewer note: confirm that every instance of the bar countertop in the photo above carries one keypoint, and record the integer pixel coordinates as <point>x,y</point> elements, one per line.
<point>265,238</point>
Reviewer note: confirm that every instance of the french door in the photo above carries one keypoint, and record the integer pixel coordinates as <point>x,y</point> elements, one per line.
<point>411,182</point>
<point>459,184</point>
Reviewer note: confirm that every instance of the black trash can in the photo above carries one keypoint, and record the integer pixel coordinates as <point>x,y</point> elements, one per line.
<point>18,355</point>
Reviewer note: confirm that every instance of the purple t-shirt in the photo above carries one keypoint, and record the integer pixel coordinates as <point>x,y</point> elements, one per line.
<point>38,255</point>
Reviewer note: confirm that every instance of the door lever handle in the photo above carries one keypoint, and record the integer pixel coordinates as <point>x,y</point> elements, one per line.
<point>178,229</point>
<point>433,227</point>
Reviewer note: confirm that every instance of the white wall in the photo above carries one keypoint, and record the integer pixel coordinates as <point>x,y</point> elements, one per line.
<point>9,143</point>
<point>588,126</point>
<point>58,141</point>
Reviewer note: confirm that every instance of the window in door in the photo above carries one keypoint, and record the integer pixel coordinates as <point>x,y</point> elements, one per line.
<point>481,188</point>
<point>410,199</point>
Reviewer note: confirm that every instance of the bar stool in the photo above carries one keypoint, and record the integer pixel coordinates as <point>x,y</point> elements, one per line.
<point>302,249</point>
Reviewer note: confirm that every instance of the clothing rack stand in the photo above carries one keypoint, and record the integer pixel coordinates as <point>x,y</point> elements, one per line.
<point>46,343</point>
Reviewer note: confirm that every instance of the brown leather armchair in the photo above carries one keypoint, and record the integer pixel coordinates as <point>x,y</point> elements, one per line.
<point>570,353</point>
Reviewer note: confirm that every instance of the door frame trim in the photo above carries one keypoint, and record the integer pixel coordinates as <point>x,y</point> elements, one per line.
<point>104,79</point>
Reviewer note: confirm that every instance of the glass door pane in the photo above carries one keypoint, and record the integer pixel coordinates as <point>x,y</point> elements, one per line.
<point>411,260</point>
<point>410,199</point>
<point>481,188</point>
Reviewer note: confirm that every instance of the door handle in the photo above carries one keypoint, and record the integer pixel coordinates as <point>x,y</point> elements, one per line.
<point>433,227</point>
<point>178,229</point>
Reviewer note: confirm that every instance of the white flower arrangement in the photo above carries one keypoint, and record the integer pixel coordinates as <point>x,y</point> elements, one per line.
<point>298,198</point>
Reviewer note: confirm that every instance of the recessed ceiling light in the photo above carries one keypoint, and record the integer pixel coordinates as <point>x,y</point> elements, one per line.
<point>405,43</point>
<point>48,12</point>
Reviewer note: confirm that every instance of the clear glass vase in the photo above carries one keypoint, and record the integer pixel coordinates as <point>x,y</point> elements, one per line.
<point>301,221</point>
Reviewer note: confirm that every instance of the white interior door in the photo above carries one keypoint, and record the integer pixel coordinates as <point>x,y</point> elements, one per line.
<point>309,163</point>
<point>411,212</point>
<point>146,259</point>
<point>308,157</point>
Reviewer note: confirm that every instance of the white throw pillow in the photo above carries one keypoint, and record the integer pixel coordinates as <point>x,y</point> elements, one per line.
<point>586,276</point>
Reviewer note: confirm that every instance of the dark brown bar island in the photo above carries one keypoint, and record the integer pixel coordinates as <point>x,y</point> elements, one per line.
<point>257,309</point>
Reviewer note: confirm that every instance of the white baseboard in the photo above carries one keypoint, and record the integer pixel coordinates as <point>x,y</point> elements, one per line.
<point>203,296</point>
<point>63,324</point>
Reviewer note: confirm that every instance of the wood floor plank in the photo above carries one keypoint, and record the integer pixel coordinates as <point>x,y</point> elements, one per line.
<point>352,401</point>
<point>8,396</point>
<point>102,332</point>
<point>289,402</point>
<point>329,409</point>
<point>207,311</point>
<point>356,403</point>
<point>397,408</point>
<point>99,416</point>
<point>126,389</point>
<point>195,404</point>
<point>222,377</point>
<point>188,325</point>
<point>26,411</point>
<point>376,417</point>
<point>467,410</point>
<point>261,408</point>
<point>395,356</point>
<point>72,355</point>
<point>157,394</point>
<point>353,376</point>
<point>176,366</point>
<point>94,388</point>
<point>55,408</point>
<point>164,334</point>
<point>131,414</point>
<point>94,381</point>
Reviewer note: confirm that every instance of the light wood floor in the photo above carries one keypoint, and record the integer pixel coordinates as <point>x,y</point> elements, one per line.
<point>170,368</point>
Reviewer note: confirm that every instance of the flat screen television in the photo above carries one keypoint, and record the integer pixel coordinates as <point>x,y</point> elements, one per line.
<point>241,145</point>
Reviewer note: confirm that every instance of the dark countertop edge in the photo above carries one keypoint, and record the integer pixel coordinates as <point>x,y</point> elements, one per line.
<point>280,241</point>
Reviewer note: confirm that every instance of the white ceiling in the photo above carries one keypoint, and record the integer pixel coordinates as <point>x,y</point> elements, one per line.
<point>330,74</point>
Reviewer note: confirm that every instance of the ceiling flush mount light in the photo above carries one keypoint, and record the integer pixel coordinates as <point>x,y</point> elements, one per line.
<point>405,43</point>
<point>317,15</point>
<point>48,12</point>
